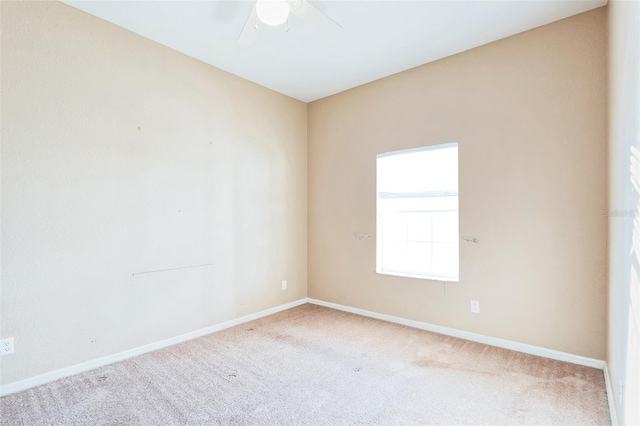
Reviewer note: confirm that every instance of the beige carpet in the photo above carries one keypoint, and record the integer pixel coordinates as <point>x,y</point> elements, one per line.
<point>318,366</point>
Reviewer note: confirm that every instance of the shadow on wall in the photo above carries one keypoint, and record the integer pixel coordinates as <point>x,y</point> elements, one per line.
<point>624,269</point>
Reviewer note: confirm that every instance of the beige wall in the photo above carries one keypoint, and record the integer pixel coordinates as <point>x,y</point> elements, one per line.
<point>623,354</point>
<point>530,115</point>
<point>120,156</point>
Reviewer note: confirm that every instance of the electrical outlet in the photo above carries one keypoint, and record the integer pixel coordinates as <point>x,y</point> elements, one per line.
<point>475,307</point>
<point>284,284</point>
<point>6,346</point>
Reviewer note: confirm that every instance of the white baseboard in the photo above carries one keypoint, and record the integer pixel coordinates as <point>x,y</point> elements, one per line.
<point>493,341</point>
<point>110,359</point>
<point>610,396</point>
<point>480,338</point>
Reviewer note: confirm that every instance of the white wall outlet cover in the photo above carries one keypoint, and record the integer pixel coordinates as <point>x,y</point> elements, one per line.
<point>475,307</point>
<point>6,346</point>
<point>284,284</point>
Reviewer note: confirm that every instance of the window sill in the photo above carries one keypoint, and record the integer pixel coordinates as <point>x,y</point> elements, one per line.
<point>421,277</point>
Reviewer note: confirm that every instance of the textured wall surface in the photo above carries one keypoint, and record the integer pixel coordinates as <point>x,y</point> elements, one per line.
<point>122,156</point>
<point>530,115</point>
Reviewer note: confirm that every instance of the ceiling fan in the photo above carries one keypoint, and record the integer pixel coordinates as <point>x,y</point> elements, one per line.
<point>275,13</point>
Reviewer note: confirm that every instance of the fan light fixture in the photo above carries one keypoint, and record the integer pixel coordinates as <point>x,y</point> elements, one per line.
<point>272,12</point>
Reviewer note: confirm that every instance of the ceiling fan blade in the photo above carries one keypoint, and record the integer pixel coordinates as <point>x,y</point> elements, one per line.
<point>315,17</point>
<point>249,33</point>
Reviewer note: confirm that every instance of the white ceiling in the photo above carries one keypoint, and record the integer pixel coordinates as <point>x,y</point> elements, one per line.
<point>379,38</point>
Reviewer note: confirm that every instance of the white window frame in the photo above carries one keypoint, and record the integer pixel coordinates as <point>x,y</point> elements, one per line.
<point>379,224</point>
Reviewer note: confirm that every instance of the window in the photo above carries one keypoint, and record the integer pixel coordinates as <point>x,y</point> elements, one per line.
<point>418,212</point>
